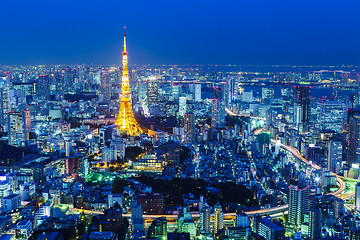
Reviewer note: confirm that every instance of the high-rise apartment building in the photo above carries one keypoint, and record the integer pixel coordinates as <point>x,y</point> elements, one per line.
<point>298,200</point>
<point>205,220</point>
<point>218,218</point>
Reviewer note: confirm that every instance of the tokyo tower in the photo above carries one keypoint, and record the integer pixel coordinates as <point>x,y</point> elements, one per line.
<point>125,119</point>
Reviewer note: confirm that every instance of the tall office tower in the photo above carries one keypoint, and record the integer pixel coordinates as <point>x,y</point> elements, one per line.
<point>357,197</point>
<point>4,102</point>
<point>152,90</point>
<point>297,115</point>
<point>171,76</point>
<point>225,93</point>
<point>354,140</point>
<point>42,87</point>
<point>217,114</point>
<point>218,218</point>
<point>125,119</point>
<point>105,85</point>
<point>335,151</point>
<point>182,106</point>
<point>197,92</point>
<point>205,220</point>
<point>311,228</point>
<point>267,94</point>
<point>137,220</point>
<point>189,128</point>
<point>298,200</point>
<point>302,98</point>
<point>331,116</point>
<point>233,89</point>
<point>19,126</point>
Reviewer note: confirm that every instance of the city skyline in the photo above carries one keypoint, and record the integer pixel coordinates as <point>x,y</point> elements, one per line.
<point>233,32</point>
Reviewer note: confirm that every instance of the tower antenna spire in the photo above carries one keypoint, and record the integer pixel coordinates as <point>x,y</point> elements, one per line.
<point>124,39</point>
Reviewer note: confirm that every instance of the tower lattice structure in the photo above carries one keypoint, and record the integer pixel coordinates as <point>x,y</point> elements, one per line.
<point>125,119</point>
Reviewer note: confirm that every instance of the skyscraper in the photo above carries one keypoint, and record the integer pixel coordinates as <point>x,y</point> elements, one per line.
<point>225,93</point>
<point>233,89</point>
<point>125,119</point>
<point>105,85</point>
<point>354,140</point>
<point>218,114</point>
<point>357,197</point>
<point>19,125</point>
<point>335,150</point>
<point>152,90</point>
<point>197,92</point>
<point>331,116</point>
<point>298,200</point>
<point>182,106</point>
<point>189,128</point>
<point>42,87</point>
<point>302,98</point>
<point>218,218</point>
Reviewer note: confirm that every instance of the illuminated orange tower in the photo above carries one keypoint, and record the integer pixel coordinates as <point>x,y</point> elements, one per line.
<point>125,119</point>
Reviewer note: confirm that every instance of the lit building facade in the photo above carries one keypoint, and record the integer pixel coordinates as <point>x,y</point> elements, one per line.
<point>217,114</point>
<point>331,116</point>
<point>189,128</point>
<point>298,200</point>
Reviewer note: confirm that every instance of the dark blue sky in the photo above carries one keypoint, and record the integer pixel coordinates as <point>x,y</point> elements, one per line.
<point>180,32</point>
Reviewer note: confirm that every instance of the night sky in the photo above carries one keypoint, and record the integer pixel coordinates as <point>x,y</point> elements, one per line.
<point>180,32</point>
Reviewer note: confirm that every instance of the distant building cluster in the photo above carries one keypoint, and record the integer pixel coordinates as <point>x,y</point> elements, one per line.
<point>179,152</point>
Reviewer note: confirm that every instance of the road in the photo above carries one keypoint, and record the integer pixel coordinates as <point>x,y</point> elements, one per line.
<point>297,154</point>
<point>228,111</point>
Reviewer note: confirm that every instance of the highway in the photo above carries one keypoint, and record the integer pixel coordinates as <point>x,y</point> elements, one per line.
<point>267,211</point>
<point>297,154</point>
<point>228,111</point>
